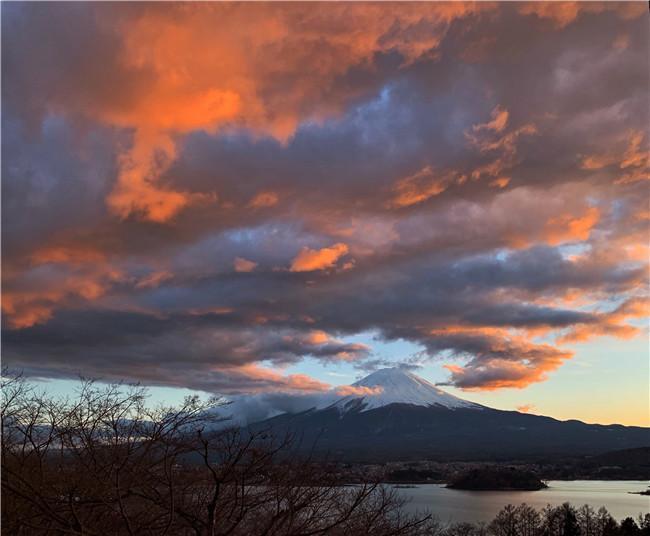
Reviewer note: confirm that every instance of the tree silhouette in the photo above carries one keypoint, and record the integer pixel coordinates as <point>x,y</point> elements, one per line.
<point>629,527</point>
<point>570,525</point>
<point>104,463</point>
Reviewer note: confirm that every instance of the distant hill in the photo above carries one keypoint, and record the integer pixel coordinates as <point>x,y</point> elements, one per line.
<point>419,421</point>
<point>627,464</point>
<point>639,457</point>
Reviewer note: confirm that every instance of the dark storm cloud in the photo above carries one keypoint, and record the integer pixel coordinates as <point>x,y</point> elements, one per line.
<point>468,177</point>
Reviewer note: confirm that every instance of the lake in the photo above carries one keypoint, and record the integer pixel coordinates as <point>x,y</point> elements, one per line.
<point>472,506</point>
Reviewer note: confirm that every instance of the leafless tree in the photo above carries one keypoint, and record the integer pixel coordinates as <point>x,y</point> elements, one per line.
<point>506,522</point>
<point>106,462</point>
<point>587,520</point>
<point>528,520</point>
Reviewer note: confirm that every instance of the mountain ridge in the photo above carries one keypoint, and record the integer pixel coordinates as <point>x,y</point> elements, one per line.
<point>364,427</point>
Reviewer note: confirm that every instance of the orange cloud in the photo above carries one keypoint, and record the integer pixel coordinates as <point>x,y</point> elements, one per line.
<point>499,121</point>
<point>59,275</point>
<point>24,312</point>
<point>178,75</point>
<point>635,160</point>
<point>597,161</point>
<point>348,352</point>
<point>634,156</point>
<point>318,259</point>
<point>67,254</point>
<point>354,352</point>
<point>526,408</point>
<point>137,191</point>
<point>266,378</point>
<point>419,187</point>
<point>498,374</point>
<point>318,337</point>
<point>500,360</point>
<point>352,390</point>
<point>491,138</point>
<point>263,200</point>
<point>507,143</point>
<point>501,182</point>
<point>25,307</point>
<point>611,324</point>
<point>567,228</point>
<point>302,382</point>
<point>562,14</point>
<point>244,265</point>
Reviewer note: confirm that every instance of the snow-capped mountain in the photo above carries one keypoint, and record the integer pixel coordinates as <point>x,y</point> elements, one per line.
<point>398,386</point>
<point>393,414</point>
<point>381,388</point>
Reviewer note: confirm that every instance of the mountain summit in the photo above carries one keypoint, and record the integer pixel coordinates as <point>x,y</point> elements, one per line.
<point>398,386</point>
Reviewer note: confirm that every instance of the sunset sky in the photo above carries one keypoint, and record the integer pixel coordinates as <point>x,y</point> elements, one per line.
<point>253,198</point>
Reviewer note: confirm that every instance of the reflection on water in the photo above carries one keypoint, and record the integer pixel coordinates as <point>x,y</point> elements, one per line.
<point>458,505</point>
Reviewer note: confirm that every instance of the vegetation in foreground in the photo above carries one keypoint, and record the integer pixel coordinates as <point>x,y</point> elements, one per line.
<point>564,520</point>
<point>105,463</point>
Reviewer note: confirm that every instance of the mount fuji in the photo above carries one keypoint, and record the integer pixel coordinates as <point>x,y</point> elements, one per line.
<point>393,414</point>
<point>398,386</point>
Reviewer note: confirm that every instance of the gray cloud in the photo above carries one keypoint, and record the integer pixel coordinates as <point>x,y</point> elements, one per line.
<point>501,244</point>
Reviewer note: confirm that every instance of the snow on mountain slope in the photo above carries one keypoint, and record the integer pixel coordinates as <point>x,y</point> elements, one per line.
<point>398,386</point>
<point>381,388</point>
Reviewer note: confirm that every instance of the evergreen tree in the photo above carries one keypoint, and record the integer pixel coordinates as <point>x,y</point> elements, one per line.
<point>570,525</point>
<point>610,528</point>
<point>606,525</point>
<point>629,527</point>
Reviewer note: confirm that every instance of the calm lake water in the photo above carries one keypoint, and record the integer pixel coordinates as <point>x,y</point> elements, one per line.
<point>457,505</point>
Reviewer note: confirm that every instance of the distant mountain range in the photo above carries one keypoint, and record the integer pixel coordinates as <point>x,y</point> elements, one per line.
<point>393,414</point>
